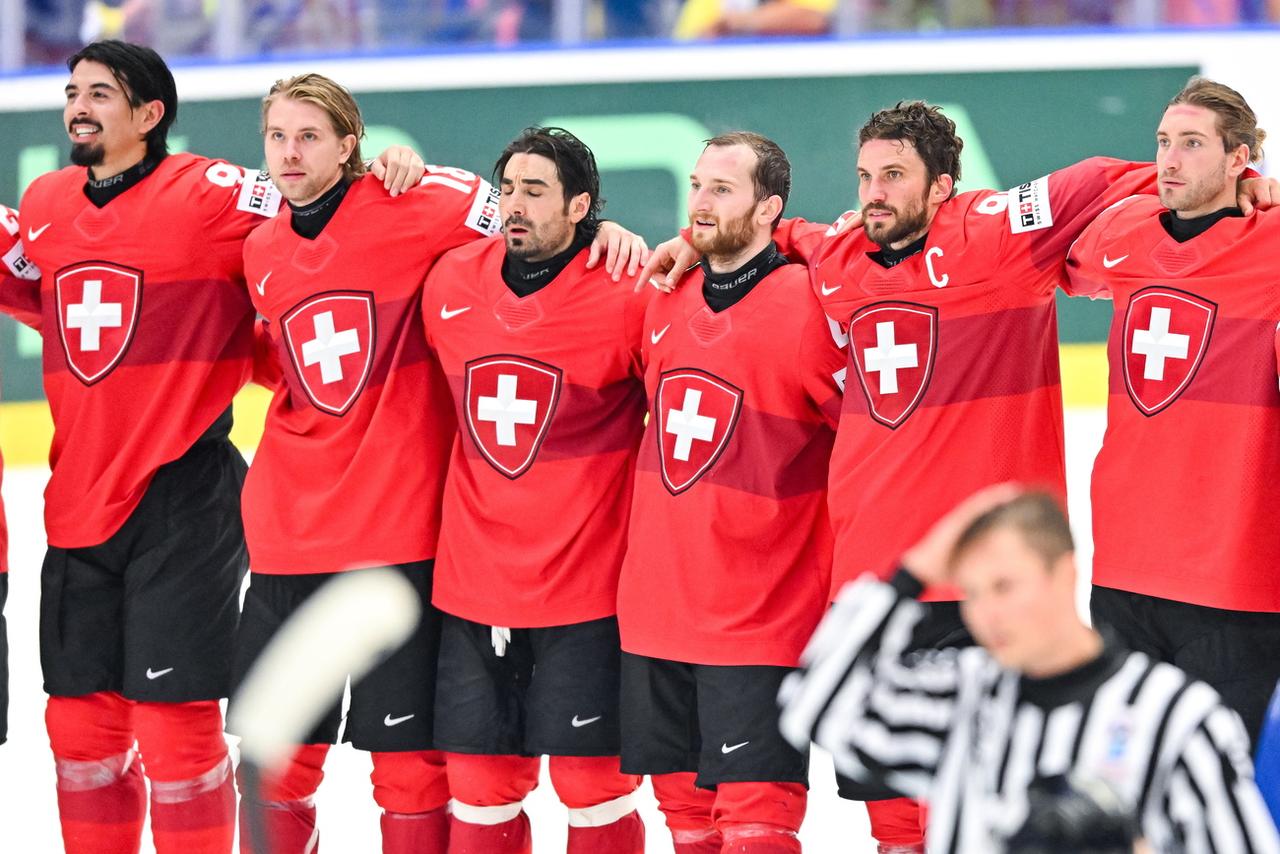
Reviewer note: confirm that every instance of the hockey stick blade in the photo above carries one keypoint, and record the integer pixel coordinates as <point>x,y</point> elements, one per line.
<point>343,630</point>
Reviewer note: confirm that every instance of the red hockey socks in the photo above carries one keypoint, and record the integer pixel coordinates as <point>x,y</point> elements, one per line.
<point>688,813</point>
<point>760,818</point>
<point>897,825</point>
<point>193,798</point>
<point>488,793</point>
<point>602,812</point>
<point>284,806</point>
<point>412,788</point>
<point>102,804</point>
<point>102,799</point>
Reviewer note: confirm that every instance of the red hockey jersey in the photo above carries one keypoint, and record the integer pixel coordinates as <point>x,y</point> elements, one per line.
<point>147,327</point>
<point>352,459</point>
<point>729,556</point>
<point>1184,487</point>
<point>953,380</point>
<point>19,287</point>
<point>549,394</point>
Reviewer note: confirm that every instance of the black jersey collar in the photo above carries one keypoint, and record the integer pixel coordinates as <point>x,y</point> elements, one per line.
<point>101,192</point>
<point>721,290</point>
<point>310,219</point>
<point>1183,230</point>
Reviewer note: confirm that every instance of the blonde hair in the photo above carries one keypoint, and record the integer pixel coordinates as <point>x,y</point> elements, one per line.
<point>1236,122</point>
<point>336,102</point>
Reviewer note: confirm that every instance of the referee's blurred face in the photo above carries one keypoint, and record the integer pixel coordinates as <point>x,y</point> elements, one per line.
<point>1015,605</point>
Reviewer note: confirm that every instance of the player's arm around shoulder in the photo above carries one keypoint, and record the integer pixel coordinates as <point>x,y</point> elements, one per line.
<point>822,351</point>
<point>1088,265</point>
<point>19,276</point>
<point>450,207</point>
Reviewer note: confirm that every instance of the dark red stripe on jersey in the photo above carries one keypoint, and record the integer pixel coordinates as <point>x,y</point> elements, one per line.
<point>1007,352</point>
<point>199,320</point>
<point>1238,367</point>
<point>767,455</point>
<point>587,421</point>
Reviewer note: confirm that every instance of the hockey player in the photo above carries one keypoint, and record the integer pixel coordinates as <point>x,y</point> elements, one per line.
<point>352,461</point>
<point>728,562</point>
<point>542,356</point>
<point>947,305</point>
<point>16,271</point>
<point>1186,541</point>
<point>975,732</point>
<point>148,332</point>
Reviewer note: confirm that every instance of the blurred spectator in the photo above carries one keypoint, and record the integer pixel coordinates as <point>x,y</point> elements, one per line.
<point>53,30</point>
<point>711,18</point>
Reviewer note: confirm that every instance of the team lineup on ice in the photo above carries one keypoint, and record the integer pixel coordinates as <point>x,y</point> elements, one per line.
<point>752,543</point>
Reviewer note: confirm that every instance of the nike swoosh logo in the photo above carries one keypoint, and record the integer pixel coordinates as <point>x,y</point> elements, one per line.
<point>578,723</point>
<point>262,286</point>
<point>655,336</point>
<point>1109,263</point>
<point>826,291</point>
<point>724,748</point>
<point>156,674</point>
<point>445,313</point>
<point>34,233</point>
<point>390,721</point>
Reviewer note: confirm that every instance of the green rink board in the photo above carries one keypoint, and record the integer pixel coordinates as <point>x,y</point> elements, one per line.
<point>1016,126</point>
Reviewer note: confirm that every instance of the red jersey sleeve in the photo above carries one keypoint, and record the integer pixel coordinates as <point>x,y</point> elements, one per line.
<point>800,240</point>
<point>267,371</point>
<point>1086,277</point>
<point>634,330</point>
<point>19,277</point>
<point>823,361</point>
<point>453,207</point>
<point>1055,209</point>
<point>240,200</point>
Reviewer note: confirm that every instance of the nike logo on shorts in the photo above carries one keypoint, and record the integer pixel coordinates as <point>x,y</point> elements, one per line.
<point>156,674</point>
<point>390,721</point>
<point>725,748</point>
<point>577,723</point>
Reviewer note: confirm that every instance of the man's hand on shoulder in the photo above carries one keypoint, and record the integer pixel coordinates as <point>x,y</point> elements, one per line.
<point>667,264</point>
<point>622,250</point>
<point>1259,193</point>
<point>399,168</point>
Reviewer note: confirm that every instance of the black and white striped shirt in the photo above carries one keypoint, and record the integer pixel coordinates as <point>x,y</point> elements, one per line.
<point>957,730</point>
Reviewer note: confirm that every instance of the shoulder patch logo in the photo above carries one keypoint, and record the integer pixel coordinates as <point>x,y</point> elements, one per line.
<point>258,194</point>
<point>1166,334</point>
<point>483,216</point>
<point>696,416</point>
<point>510,401</point>
<point>1029,208</point>
<point>893,345</point>
<point>99,303</point>
<point>331,340</point>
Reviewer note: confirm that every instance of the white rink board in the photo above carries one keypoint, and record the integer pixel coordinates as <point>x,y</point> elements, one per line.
<point>348,816</point>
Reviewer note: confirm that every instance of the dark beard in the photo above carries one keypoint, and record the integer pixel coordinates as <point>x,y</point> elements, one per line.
<point>86,154</point>
<point>902,229</point>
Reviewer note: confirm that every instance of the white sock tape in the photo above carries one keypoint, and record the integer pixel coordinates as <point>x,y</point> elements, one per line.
<point>488,816</point>
<point>602,814</point>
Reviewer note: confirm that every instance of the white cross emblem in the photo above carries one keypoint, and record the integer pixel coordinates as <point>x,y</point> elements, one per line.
<point>687,425</point>
<point>1158,344</point>
<point>328,347</point>
<point>506,410</point>
<point>888,357</point>
<point>93,315</point>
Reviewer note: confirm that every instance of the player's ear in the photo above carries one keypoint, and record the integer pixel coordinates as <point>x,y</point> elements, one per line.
<point>1238,161</point>
<point>579,206</point>
<point>151,114</point>
<point>347,146</point>
<point>942,188</point>
<point>769,209</point>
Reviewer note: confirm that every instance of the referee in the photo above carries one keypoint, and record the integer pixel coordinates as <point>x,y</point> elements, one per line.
<point>1042,696</point>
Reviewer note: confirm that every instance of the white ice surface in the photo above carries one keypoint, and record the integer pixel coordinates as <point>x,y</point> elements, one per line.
<point>348,816</point>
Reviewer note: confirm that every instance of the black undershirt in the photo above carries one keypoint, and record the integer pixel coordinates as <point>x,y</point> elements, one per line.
<point>721,290</point>
<point>310,219</point>
<point>529,277</point>
<point>1183,230</point>
<point>890,258</point>
<point>101,192</point>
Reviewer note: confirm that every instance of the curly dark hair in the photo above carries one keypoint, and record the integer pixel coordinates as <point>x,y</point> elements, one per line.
<point>925,127</point>
<point>575,166</point>
<point>143,76</point>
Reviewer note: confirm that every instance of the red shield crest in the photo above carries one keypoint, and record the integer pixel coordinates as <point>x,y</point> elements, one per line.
<point>1166,334</point>
<point>330,338</point>
<point>893,345</point>
<point>98,307</point>
<point>510,401</point>
<point>697,413</point>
